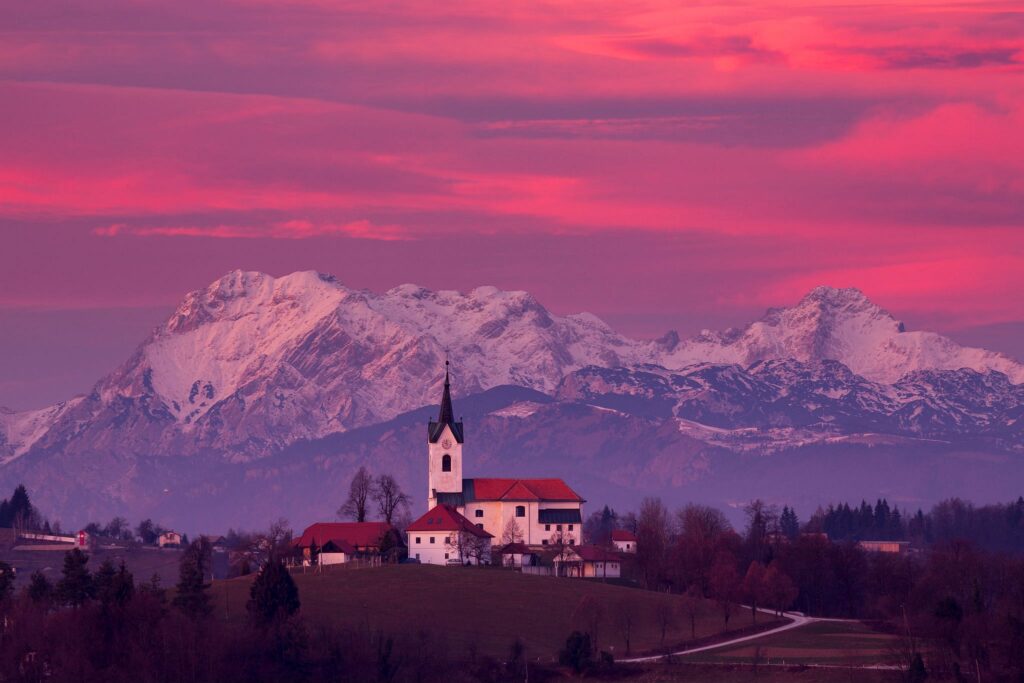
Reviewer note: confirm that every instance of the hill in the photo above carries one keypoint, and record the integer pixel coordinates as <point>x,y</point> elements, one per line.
<point>485,610</point>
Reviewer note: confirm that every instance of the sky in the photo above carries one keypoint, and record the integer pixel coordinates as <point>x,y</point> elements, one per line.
<point>663,165</point>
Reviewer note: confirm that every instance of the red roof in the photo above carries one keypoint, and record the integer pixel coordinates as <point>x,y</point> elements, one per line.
<point>592,553</point>
<point>514,549</point>
<point>446,518</point>
<point>623,535</point>
<point>357,534</point>
<point>523,489</point>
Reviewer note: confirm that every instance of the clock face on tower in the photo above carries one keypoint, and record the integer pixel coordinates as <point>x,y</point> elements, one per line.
<point>446,443</point>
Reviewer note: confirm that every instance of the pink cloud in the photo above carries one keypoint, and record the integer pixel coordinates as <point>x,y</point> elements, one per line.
<point>294,229</point>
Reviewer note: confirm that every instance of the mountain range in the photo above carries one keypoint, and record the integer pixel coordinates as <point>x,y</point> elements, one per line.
<point>259,388</point>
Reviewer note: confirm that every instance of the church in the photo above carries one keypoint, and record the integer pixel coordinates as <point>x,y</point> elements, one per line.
<point>536,512</point>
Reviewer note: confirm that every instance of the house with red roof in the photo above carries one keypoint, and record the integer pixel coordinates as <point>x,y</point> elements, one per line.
<point>444,536</point>
<point>537,512</point>
<point>340,542</point>
<point>589,561</point>
<point>624,540</point>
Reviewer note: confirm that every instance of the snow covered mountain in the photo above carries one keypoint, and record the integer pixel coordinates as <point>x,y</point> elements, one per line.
<point>252,367</point>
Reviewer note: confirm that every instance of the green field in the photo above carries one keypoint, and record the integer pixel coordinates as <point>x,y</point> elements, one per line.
<point>839,643</point>
<point>142,562</point>
<point>487,609</point>
<point>708,673</point>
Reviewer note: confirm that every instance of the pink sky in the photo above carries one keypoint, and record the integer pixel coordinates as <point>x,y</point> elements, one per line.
<point>661,164</point>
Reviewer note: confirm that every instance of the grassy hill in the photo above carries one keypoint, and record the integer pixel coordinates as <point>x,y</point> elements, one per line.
<point>487,609</point>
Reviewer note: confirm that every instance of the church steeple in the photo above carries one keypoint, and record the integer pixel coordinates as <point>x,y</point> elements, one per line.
<point>446,416</point>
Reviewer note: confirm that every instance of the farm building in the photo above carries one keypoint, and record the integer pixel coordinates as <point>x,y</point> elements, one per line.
<point>896,547</point>
<point>588,561</point>
<point>340,542</point>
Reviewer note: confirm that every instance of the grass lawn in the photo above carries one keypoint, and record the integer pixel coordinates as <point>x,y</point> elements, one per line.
<point>487,608</point>
<point>707,673</point>
<point>824,642</point>
<point>141,562</point>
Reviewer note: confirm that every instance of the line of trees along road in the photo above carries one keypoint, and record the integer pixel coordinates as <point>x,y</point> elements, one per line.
<point>957,595</point>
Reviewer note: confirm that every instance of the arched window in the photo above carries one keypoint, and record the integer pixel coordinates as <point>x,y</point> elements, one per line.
<point>446,463</point>
<point>520,510</point>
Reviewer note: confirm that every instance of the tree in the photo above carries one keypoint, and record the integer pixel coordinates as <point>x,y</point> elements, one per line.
<point>762,523</point>
<point>577,652</point>
<point>76,585</point>
<point>779,589</point>
<point>6,582</point>
<point>725,583</point>
<point>513,533</point>
<point>598,528</point>
<point>40,590</point>
<point>753,586</point>
<point>789,525</point>
<point>273,596</point>
<point>692,601</point>
<point>192,596</point>
<point>703,533</point>
<point>118,528</point>
<point>665,616</point>
<point>114,586</point>
<point>652,533</point>
<point>360,491</point>
<point>388,495</point>
<point>625,615</point>
<point>469,547</point>
<point>148,531</point>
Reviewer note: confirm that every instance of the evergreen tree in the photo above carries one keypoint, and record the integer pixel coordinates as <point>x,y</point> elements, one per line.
<point>273,595</point>
<point>40,590</point>
<point>6,582</point>
<point>789,524</point>
<point>192,596</point>
<point>103,581</point>
<point>76,585</point>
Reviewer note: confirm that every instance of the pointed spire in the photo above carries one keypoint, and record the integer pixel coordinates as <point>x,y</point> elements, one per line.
<point>447,414</point>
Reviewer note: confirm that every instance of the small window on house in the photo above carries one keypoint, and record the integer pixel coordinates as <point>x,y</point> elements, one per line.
<point>520,510</point>
<point>446,556</point>
<point>572,541</point>
<point>431,539</point>
<point>570,527</point>
<point>417,539</point>
<point>446,463</point>
<point>558,527</point>
<point>544,542</point>
<point>479,513</point>
<point>417,556</point>
<point>547,527</point>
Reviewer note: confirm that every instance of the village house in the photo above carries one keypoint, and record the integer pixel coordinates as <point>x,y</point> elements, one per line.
<point>588,561</point>
<point>895,547</point>
<point>537,512</point>
<point>327,543</point>
<point>444,536</point>
<point>169,539</point>
<point>517,555</point>
<point>624,540</point>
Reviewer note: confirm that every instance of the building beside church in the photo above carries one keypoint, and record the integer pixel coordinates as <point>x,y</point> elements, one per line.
<point>536,512</point>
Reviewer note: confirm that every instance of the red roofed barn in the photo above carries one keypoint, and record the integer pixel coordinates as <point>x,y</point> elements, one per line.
<point>340,542</point>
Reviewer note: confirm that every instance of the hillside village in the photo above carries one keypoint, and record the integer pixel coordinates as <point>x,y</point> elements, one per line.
<point>615,590</point>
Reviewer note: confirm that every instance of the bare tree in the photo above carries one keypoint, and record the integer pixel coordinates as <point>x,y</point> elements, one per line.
<point>360,491</point>
<point>665,615</point>
<point>468,546</point>
<point>625,615</point>
<point>725,582</point>
<point>652,535</point>
<point>389,497</point>
<point>692,601</point>
<point>513,533</point>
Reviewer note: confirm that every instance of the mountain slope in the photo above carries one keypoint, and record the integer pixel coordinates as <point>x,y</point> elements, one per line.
<point>252,367</point>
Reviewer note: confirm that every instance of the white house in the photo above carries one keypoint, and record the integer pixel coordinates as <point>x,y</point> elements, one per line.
<point>624,541</point>
<point>539,512</point>
<point>169,538</point>
<point>588,561</point>
<point>443,536</point>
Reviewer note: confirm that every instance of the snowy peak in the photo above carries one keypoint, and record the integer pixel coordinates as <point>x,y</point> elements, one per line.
<point>845,326</point>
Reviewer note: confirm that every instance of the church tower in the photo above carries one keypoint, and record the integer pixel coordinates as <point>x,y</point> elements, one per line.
<point>444,453</point>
